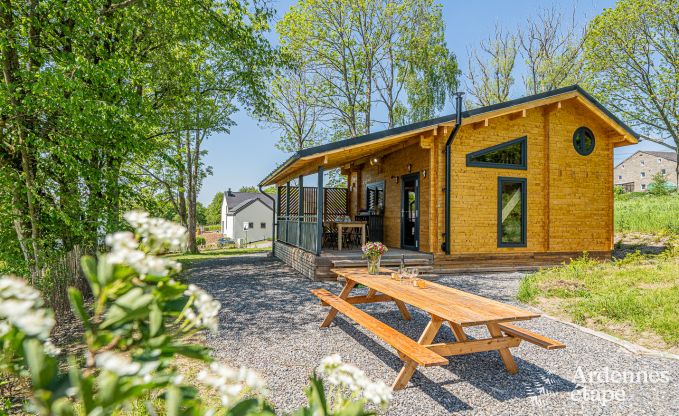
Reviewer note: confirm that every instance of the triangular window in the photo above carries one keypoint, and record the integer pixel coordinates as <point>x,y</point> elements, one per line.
<point>508,155</point>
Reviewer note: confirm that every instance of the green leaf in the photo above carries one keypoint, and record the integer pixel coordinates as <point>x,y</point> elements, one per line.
<point>89,267</point>
<point>173,399</point>
<point>245,408</point>
<point>155,319</point>
<point>78,306</point>
<point>131,306</point>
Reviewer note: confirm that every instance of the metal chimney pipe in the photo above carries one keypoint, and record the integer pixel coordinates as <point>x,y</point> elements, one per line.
<point>449,142</point>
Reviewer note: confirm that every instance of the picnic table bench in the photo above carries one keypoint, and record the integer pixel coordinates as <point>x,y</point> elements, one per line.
<point>444,304</point>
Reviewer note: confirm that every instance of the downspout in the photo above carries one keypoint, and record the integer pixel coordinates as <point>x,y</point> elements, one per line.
<point>449,142</point>
<point>273,223</point>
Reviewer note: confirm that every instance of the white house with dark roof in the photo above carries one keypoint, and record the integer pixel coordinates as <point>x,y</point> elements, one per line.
<point>636,172</point>
<point>251,210</point>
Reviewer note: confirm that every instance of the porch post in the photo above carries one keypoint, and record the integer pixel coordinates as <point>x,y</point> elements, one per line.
<point>300,209</point>
<point>320,202</point>
<point>287,212</point>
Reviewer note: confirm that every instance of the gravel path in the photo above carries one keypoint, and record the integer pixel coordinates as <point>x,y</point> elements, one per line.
<point>270,322</point>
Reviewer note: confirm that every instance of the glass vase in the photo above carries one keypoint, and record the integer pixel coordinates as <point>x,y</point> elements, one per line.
<point>374,265</point>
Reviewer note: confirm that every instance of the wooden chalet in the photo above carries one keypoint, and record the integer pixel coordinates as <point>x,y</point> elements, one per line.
<point>516,185</point>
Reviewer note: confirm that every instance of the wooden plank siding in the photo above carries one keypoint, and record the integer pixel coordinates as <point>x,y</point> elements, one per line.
<point>569,196</point>
<point>395,164</point>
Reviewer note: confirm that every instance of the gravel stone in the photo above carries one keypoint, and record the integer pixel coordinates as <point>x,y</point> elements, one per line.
<point>270,322</point>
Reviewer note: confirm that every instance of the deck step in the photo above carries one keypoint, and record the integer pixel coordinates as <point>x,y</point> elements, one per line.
<point>406,346</point>
<point>421,263</point>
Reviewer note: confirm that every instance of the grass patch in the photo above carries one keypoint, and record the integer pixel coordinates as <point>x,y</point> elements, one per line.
<point>639,294</point>
<point>643,212</point>
<point>215,254</point>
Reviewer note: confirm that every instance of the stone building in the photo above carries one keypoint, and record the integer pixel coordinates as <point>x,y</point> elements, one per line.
<point>636,172</point>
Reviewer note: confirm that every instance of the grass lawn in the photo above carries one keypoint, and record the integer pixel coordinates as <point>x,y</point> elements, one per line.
<point>636,298</point>
<point>641,212</point>
<point>215,254</point>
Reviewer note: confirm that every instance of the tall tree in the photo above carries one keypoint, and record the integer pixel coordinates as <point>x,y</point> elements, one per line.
<point>213,212</point>
<point>297,112</point>
<point>491,67</point>
<point>633,57</point>
<point>376,52</point>
<point>89,93</point>
<point>551,46</point>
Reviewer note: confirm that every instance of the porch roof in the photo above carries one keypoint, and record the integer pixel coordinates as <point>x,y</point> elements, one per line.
<point>340,153</point>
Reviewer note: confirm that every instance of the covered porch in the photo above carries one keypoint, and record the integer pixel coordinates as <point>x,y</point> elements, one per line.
<point>387,197</point>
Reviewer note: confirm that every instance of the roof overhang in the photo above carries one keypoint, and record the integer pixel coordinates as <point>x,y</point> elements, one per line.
<point>358,150</point>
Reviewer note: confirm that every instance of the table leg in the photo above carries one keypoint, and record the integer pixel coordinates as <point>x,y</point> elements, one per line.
<point>343,295</point>
<point>404,310</point>
<point>362,236</point>
<point>339,237</point>
<point>371,293</point>
<point>460,336</point>
<point>410,366</point>
<point>506,356</point>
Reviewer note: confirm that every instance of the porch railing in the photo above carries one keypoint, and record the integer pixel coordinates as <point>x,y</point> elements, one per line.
<point>297,221</point>
<point>298,231</point>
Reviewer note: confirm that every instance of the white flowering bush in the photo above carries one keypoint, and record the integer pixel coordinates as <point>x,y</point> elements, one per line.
<point>138,323</point>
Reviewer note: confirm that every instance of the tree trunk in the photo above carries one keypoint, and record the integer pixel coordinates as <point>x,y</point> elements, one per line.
<point>190,193</point>
<point>181,186</point>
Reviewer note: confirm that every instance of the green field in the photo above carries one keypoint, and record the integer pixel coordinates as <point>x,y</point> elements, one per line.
<point>186,259</point>
<point>635,298</point>
<point>637,212</point>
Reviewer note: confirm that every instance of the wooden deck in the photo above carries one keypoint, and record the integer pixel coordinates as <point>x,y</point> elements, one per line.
<point>330,259</point>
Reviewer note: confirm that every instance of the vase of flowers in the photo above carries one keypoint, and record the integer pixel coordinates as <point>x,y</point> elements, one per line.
<point>373,251</point>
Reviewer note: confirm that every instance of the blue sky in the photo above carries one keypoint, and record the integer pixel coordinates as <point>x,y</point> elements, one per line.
<point>247,154</point>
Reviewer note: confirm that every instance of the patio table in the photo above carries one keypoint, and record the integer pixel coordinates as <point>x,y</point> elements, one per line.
<point>443,304</point>
<point>350,224</point>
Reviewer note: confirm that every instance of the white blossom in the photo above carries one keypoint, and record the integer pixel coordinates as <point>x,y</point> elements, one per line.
<point>352,378</point>
<point>117,363</point>
<point>5,327</point>
<point>123,240</point>
<point>203,310</point>
<point>51,349</point>
<point>231,383</point>
<point>22,306</point>
<point>157,233</point>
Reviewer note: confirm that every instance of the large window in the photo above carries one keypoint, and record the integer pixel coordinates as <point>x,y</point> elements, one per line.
<point>375,197</point>
<point>508,155</point>
<point>511,212</point>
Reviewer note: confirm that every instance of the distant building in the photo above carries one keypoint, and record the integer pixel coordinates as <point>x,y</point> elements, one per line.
<point>636,172</point>
<point>251,208</point>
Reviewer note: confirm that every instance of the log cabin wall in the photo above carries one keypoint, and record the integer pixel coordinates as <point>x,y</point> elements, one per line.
<point>395,164</point>
<point>569,196</point>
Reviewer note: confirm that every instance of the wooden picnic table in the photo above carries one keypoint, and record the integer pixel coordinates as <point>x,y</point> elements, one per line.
<point>350,224</point>
<point>444,304</point>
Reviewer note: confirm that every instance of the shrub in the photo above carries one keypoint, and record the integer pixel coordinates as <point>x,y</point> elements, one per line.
<point>659,185</point>
<point>200,241</point>
<point>140,320</point>
<point>618,190</point>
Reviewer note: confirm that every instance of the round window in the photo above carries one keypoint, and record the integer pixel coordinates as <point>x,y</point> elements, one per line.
<point>583,141</point>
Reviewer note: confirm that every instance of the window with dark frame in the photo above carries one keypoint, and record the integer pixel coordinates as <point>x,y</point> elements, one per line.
<point>251,225</point>
<point>508,155</point>
<point>511,212</point>
<point>583,141</point>
<point>262,225</point>
<point>375,197</point>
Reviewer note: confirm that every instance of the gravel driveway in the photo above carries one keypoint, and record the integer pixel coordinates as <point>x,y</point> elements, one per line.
<point>270,322</point>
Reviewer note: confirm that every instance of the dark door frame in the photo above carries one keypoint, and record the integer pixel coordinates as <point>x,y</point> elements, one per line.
<point>415,176</point>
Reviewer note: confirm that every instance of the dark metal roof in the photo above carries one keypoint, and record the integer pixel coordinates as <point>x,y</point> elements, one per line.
<point>236,201</point>
<point>444,119</point>
<point>671,156</point>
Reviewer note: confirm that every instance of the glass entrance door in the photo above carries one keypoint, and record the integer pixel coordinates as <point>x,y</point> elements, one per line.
<point>410,211</point>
